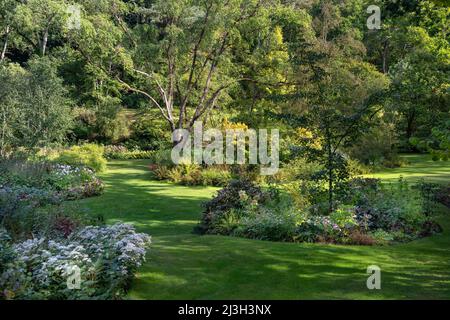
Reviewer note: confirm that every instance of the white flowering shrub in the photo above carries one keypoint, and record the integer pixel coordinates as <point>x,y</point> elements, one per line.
<point>64,181</point>
<point>27,190</point>
<point>121,239</point>
<point>75,182</point>
<point>107,258</point>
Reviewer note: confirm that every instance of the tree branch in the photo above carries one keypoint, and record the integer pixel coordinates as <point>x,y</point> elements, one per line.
<point>127,86</point>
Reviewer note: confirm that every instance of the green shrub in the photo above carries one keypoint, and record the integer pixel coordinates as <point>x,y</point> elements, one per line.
<point>89,155</point>
<point>309,231</point>
<point>394,207</point>
<point>175,174</point>
<point>214,177</point>
<point>295,190</point>
<point>162,157</point>
<point>394,162</point>
<point>191,174</point>
<point>382,237</point>
<point>370,213</point>
<point>443,195</point>
<point>308,195</point>
<point>236,195</point>
<point>358,237</point>
<point>148,133</point>
<point>329,229</point>
<point>269,224</point>
<point>114,129</point>
<point>122,153</point>
<point>355,168</point>
<point>106,121</point>
<point>401,236</point>
<point>228,223</point>
<point>186,174</point>
<point>24,173</point>
<point>242,209</point>
<point>26,211</point>
<point>375,146</point>
<point>7,255</point>
<point>297,169</point>
<point>31,194</point>
<point>160,172</point>
<point>344,216</point>
<point>430,195</point>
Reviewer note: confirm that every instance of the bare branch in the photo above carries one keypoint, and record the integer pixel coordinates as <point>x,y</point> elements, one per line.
<point>127,86</point>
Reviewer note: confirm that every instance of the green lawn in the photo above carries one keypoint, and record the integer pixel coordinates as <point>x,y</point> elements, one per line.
<point>181,265</point>
<point>419,167</point>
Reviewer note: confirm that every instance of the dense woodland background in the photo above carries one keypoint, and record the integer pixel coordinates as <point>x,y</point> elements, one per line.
<point>134,70</point>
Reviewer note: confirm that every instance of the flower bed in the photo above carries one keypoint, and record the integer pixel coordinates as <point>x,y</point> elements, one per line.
<point>65,181</point>
<point>44,238</point>
<point>369,214</point>
<point>41,268</point>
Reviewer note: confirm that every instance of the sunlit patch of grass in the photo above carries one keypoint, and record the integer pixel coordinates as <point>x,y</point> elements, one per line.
<point>181,265</point>
<point>419,167</point>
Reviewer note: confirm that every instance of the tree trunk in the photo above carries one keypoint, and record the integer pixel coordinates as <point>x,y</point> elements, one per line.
<point>5,45</point>
<point>330,172</point>
<point>385,57</point>
<point>44,42</point>
<point>330,186</point>
<point>3,136</point>
<point>410,124</point>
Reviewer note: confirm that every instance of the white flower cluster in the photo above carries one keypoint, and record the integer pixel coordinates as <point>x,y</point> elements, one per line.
<point>65,170</point>
<point>121,239</point>
<point>48,261</point>
<point>44,264</point>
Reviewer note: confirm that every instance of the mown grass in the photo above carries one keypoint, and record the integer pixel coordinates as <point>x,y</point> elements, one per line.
<point>181,265</point>
<point>419,167</point>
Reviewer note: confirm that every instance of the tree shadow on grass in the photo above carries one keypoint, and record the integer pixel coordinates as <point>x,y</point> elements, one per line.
<point>181,265</point>
<point>158,208</point>
<point>216,267</point>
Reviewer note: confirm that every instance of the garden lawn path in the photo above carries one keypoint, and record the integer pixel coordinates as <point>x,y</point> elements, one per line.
<point>419,167</point>
<point>182,265</point>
